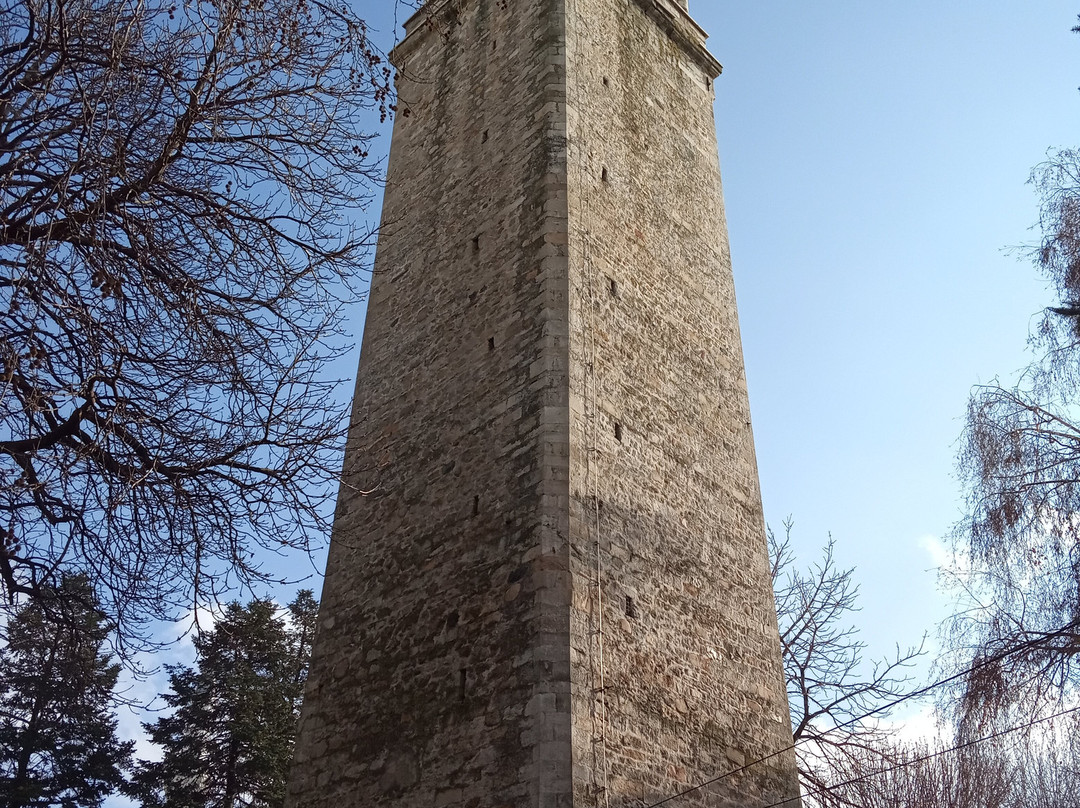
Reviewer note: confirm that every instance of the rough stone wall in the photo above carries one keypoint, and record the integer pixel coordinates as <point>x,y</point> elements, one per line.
<point>441,667</point>
<point>553,264</point>
<point>666,510</point>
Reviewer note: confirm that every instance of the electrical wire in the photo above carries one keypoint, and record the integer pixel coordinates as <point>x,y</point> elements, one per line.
<point>883,708</point>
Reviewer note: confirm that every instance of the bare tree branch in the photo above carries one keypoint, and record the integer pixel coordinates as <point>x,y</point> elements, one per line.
<point>177,186</point>
<point>830,684</point>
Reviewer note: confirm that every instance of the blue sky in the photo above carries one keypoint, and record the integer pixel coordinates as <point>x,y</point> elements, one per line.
<point>875,159</point>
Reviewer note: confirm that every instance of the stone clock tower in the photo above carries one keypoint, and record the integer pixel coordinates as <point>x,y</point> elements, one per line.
<point>548,585</point>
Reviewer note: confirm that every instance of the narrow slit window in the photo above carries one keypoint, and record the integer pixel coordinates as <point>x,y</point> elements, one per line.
<point>463,683</point>
<point>613,287</point>
<point>604,174</point>
<point>476,506</point>
<point>491,343</point>
<point>618,432</point>
<point>484,136</point>
<point>606,81</point>
<point>631,608</point>
<point>476,244</point>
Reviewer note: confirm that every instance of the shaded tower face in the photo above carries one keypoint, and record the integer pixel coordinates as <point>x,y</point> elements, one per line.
<point>548,583</point>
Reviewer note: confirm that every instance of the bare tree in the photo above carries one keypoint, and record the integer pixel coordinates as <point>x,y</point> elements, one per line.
<point>830,684</point>
<point>177,180</point>
<point>1035,764</point>
<point>920,775</point>
<point>1020,464</point>
<point>1019,626</point>
<point>1048,774</point>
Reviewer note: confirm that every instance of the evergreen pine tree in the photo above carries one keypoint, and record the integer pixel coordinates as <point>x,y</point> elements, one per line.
<point>58,744</point>
<point>303,614</point>
<point>229,737</point>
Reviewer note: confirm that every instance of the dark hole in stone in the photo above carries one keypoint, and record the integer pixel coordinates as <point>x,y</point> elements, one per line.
<point>606,81</point>
<point>484,137</point>
<point>491,343</point>
<point>452,619</point>
<point>449,467</point>
<point>476,244</point>
<point>631,608</point>
<point>613,287</point>
<point>618,431</point>
<point>518,574</point>
<point>464,682</point>
<point>476,506</point>
<point>603,174</point>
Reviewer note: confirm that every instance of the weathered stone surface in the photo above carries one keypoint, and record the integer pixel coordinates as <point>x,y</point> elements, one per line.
<point>548,583</point>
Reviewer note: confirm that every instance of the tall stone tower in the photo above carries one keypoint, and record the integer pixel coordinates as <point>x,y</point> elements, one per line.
<point>548,583</point>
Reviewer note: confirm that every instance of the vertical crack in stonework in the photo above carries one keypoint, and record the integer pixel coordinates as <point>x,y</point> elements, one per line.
<point>557,594</point>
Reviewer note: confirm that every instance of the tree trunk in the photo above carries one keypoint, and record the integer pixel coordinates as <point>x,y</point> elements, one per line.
<point>27,739</point>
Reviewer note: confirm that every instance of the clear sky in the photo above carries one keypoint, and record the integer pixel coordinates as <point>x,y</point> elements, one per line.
<point>875,159</point>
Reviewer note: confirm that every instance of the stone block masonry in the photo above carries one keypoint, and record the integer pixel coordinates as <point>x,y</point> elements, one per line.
<point>548,582</point>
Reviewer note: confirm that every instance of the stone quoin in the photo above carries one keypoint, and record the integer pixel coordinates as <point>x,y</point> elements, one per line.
<point>548,584</point>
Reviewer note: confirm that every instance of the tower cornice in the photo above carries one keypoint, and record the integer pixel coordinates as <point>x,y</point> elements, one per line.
<point>671,15</point>
<point>674,18</point>
<point>426,16</point>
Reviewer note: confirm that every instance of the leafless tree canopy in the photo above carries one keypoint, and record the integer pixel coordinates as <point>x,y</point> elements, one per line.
<point>921,776</point>
<point>176,182</point>
<point>830,684</point>
<point>1048,770</point>
<point>1020,462</point>
<point>1056,181</point>
<point>1038,767</point>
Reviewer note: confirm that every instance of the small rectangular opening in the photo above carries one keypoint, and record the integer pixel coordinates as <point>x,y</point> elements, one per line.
<point>618,432</point>
<point>606,81</point>
<point>631,608</point>
<point>463,683</point>
<point>613,287</point>
<point>491,343</point>
<point>484,136</point>
<point>476,244</point>
<point>476,506</point>
<point>604,174</point>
